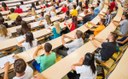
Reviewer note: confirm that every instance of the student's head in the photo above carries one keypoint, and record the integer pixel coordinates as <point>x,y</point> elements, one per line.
<point>92,9</point>
<point>1,20</point>
<point>112,37</point>
<point>4,5</point>
<point>47,17</point>
<point>47,47</point>
<point>17,6</point>
<point>109,11</point>
<point>68,13</point>
<point>19,18</point>
<point>42,14</point>
<point>74,6</point>
<point>37,3</point>
<point>1,15</point>
<point>125,16</point>
<point>115,8</point>
<point>79,34</point>
<point>21,2</point>
<point>97,4</point>
<point>3,30</point>
<point>113,0</point>
<point>12,10</point>
<point>89,61</point>
<point>85,11</point>
<point>29,38</point>
<point>57,26</point>
<point>25,27</point>
<point>102,22</point>
<point>33,5</point>
<point>19,66</point>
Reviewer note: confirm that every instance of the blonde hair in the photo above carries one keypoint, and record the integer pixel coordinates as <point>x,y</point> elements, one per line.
<point>57,26</point>
<point>3,31</point>
<point>48,20</point>
<point>54,10</point>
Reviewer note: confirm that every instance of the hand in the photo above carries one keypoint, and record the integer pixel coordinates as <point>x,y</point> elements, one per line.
<point>73,67</point>
<point>6,66</point>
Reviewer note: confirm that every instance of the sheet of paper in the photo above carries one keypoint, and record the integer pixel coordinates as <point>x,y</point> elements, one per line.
<point>20,38</point>
<point>5,59</point>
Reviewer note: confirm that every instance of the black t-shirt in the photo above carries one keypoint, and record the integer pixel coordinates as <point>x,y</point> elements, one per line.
<point>86,18</point>
<point>107,50</point>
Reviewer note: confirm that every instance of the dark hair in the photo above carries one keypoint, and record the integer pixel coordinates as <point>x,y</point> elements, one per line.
<point>17,6</point>
<point>25,27</point>
<point>92,8</point>
<point>74,6</point>
<point>29,38</point>
<point>68,13</point>
<point>33,5</point>
<point>89,61</point>
<point>47,47</point>
<point>19,66</point>
<point>19,18</point>
<point>1,15</point>
<point>21,2</point>
<point>115,36</point>
<point>42,14</point>
<point>4,5</point>
<point>79,34</point>
<point>126,15</point>
<point>74,20</point>
<point>37,3</point>
<point>12,10</point>
<point>103,21</point>
<point>1,20</point>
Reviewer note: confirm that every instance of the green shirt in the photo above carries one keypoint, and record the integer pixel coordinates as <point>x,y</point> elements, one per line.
<point>46,61</point>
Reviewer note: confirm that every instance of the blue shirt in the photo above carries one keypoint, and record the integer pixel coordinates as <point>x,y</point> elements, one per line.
<point>96,10</point>
<point>55,34</point>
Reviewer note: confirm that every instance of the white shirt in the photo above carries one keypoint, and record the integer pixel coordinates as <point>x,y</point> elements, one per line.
<point>74,45</point>
<point>85,72</point>
<point>27,46</point>
<point>28,74</point>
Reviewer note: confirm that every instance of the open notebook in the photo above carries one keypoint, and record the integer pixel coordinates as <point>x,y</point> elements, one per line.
<point>5,59</point>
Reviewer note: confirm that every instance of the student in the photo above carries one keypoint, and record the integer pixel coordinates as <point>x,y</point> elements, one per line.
<point>53,12</point>
<point>108,17</point>
<point>112,5</point>
<point>56,30</point>
<point>77,42</point>
<point>85,67</point>
<point>18,9</point>
<point>123,25</point>
<point>114,12</point>
<point>2,22</point>
<point>17,21</point>
<point>22,70</point>
<point>25,27</point>
<point>4,33</point>
<point>64,8</point>
<point>4,7</point>
<point>41,17</point>
<point>46,60</point>
<point>33,6</point>
<point>74,12</point>
<point>29,41</point>
<point>67,15</point>
<point>107,48</point>
<point>98,28</point>
<point>72,26</point>
<point>12,16</point>
<point>97,9</point>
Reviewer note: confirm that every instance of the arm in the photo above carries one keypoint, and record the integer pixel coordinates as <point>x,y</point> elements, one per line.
<point>20,43</point>
<point>122,42</point>
<point>116,23</point>
<point>37,50</point>
<point>6,69</point>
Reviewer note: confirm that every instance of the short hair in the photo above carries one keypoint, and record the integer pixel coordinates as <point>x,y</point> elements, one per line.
<point>19,65</point>
<point>74,6</point>
<point>1,20</point>
<point>21,2</point>
<point>79,34</point>
<point>92,8</point>
<point>1,15</point>
<point>126,15</point>
<point>12,10</point>
<point>115,36</point>
<point>47,47</point>
<point>17,6</point>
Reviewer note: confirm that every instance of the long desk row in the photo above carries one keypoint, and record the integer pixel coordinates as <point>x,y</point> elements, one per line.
<point>28,55</point>
<point>57,72</point>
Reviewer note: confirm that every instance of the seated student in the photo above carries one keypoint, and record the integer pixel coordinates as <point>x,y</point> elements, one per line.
<point>41,17</point>
<point>4,7</point>
<point>53,12</point>
<point>108,18</point>
<point>112,5</point>
<point>74,12</point>
<point>98,28</point>
<point>18,9</point>
<point>97,9</point>
<point>17,21</point>
<point>79,8</point>
<point>46,60</point>
<point>122,41</point>
<point>25,27</point>
<point>77,42</point>
<point>85,67</point>
<point>2,22</point>
<point>107,48</point>
<point>4,33</point>
<point>28,42</point>
<point>33,6</point>
<point>12,15</point>
<point>64,8</point>
<point>86,4</point>
<point>114,12</point>
<point>56,30</point>
<point>92,12</point>
<point>72,26</point>
<point>22,70</point>
<point>67,15</point>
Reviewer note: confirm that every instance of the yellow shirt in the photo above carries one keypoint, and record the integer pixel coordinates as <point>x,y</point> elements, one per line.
<point>99,29</point>
<point>74,12</point>
<point>13,16</point>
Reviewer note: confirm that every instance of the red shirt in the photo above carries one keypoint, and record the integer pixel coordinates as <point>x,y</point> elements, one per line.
<point>112,6</point>
<point>73,27</point>
<point>18,10</point>
<point>64,9</point>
